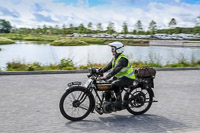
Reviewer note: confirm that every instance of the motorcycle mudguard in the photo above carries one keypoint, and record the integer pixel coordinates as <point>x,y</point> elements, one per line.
<point>151,92</point>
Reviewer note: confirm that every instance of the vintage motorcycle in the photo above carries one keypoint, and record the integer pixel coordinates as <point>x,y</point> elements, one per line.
<point>79,101</point>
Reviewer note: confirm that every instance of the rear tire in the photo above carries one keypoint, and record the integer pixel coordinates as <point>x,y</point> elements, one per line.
<point>141,101</point>
<point>76,103</point>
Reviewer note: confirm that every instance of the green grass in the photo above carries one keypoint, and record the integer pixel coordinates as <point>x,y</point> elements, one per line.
<point>71,41</point>
<point>40,38</point>
<point>68,42</point>
<point>196,39</point>
<point>67,64</point>
<point>77,41</point>
<point>13,36</point>
<point>29,37</point>
<point>6,41</point>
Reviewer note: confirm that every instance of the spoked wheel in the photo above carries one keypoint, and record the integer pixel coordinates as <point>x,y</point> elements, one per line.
<point>76,103</point>
<point>140,100</point>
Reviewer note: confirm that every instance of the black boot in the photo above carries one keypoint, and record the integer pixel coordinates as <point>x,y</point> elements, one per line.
<point>118,102</point>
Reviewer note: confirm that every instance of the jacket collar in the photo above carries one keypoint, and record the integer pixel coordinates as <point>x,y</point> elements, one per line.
<point>117,55</point>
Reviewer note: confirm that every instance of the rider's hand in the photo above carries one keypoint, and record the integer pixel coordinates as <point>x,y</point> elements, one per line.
<point>103,78</point>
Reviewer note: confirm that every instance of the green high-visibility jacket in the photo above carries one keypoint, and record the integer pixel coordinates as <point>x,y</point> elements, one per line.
<point>125,71</point>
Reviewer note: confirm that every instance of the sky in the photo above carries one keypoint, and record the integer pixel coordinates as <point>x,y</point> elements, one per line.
<point>34,13</point>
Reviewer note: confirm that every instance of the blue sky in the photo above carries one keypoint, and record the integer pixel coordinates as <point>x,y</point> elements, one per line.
<point>137,3</point>
<point>34,13</point>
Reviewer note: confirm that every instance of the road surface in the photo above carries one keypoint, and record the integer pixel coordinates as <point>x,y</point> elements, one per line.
<point>30,103</point>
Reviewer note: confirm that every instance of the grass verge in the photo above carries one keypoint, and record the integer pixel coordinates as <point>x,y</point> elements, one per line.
<point>75,41</point>
<point>72,41</point>
<point>6,41</point>
<point>67,64</point>
<point>29,37</point>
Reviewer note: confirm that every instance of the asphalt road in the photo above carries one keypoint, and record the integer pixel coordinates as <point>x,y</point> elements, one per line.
<point>30,104</point>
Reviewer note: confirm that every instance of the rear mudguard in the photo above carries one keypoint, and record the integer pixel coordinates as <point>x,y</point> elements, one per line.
<point>151,92</point>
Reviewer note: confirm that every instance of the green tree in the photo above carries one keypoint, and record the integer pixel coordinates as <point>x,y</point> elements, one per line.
<point>177,30</point>
<point>172,23</point>
<point>196,30</point>
<point>99,27</point>
<point>50,30</point>
<point>110,28</point>
<point>44,30</point>
<point>152,27</point>
<point>56,30</point>
<point>89,26</point>
<point>138,26</point>
<point>64,29</point>
<point>124,28</point>
<point>81,28</point>
<point>38,30</point>
<point>134,32</point>
<point>71,28</point>
<point>5,26</point>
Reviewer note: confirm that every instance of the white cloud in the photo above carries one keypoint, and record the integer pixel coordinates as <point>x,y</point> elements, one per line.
<point>83,3</point>
<point>35,13</point>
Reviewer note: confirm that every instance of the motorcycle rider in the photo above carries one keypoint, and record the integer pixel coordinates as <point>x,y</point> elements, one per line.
<point>121,71</point>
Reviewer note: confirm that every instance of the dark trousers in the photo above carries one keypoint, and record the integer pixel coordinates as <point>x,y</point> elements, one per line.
<point>117,85</point>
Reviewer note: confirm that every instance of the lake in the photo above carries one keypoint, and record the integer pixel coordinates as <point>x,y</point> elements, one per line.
<point>29,52</point>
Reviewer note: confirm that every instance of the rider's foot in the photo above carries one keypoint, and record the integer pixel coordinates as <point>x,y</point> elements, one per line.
<point>118,102</point>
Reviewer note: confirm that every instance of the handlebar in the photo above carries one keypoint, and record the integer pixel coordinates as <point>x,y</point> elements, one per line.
<point>95,72</point>
<point>89,76</point>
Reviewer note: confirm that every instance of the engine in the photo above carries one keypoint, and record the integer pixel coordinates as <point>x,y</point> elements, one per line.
<point>107,107</point>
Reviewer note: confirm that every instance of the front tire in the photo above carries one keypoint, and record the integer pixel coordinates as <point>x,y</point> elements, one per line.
<point>140,101</point>
<point>76,103</point>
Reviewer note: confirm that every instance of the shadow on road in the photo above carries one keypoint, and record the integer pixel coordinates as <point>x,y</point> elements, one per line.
<point>119,123</point>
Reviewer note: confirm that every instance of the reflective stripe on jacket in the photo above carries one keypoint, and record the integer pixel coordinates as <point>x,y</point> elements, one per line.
<point>125,71</point>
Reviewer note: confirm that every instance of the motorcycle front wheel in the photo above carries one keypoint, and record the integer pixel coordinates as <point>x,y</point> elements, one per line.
<point>140,101</point>
<point>76,103</point>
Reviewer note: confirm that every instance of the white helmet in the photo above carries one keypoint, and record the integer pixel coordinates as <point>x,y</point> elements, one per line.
<point>118,47</point>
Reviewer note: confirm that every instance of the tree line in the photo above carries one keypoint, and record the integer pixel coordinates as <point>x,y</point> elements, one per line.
<point>5,27</point>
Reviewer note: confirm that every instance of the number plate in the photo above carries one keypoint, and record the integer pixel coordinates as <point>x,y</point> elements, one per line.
<point>87,83</point>
<point>74,83</point>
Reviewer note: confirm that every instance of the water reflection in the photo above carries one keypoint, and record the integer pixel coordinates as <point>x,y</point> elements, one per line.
<point>28,52</point>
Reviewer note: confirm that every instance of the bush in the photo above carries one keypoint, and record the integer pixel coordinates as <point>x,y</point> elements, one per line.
<point>16,66</point>
<point>65,64</point>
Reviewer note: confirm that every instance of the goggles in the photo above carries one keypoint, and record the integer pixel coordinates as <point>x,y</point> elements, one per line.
<point>113,49</point>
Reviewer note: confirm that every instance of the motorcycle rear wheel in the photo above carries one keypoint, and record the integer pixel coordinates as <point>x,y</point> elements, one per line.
<point>76,103</point>
<point>140,101</point>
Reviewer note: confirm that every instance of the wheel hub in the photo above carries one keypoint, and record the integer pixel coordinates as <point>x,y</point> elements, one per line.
<point>138,100</point>
<point>76,103</point>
